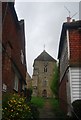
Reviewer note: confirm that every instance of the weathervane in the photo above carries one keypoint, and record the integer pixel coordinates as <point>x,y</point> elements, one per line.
<point>44,46</point>
<point>68,10</point>
<point>70,13</point>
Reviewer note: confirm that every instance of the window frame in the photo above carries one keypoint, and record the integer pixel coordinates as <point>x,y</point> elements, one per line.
<point>16,83</point>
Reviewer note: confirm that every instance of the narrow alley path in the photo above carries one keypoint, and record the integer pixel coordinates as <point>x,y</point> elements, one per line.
<point>46,112</point>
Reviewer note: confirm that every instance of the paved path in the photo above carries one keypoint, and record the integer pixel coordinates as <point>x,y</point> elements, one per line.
<point>46,112</point>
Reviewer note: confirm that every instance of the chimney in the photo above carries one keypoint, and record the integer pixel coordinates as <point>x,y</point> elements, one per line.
<point>68,19</point>
<point>73,20</point>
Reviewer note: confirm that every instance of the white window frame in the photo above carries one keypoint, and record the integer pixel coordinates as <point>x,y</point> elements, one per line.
<point>23,86</point>
<point>16,82</point>
<point>22,57</point>
<point>4,87</point>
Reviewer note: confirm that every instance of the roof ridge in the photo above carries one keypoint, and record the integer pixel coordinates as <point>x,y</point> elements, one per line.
<point>44,56</point>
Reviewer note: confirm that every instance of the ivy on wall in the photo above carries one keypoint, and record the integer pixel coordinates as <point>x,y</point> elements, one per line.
<point>55,81</point>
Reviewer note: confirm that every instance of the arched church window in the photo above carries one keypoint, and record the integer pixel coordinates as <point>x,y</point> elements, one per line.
<point>45,69</point>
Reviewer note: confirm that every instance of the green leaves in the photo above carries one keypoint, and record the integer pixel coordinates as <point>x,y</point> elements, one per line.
<point>15,107</point>
<point>55,81</point>
<point>38,101</point>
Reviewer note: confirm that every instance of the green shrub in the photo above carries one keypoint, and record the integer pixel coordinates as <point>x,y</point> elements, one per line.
<point>38,101</point>
<point>15,108</point>
<point>59,114</point>
<point>55,81</point>
<point>28,93</point>
<point>35,112</point>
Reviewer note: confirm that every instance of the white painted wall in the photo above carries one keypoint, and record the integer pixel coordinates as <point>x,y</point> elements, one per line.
<point>75,83</point>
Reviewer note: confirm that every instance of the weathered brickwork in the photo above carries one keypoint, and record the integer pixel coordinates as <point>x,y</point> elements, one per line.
<point>13,41</point>
<point>62,94</point>
<point>75,47</point>
<point>69,56</point>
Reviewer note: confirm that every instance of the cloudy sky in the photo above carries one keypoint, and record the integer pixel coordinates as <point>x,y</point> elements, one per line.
<point>43,24</point>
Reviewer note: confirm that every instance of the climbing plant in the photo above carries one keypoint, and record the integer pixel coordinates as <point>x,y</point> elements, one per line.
<point>55,81</point>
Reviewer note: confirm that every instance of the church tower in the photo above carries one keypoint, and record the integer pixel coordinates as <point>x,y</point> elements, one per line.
<point>43,69</point>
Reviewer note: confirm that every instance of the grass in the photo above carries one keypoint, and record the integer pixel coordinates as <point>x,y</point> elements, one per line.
<point>38,101</point>
<point>54,103</point>
<point>57,110</point>
<point>55,106</point>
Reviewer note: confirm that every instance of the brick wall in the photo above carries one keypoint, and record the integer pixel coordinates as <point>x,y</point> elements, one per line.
<point>6,69</point>
<point>63,94</point>
<point>13,42</point>
<point>74,30</point>
<point>12,34</point>
<point>75,47</point>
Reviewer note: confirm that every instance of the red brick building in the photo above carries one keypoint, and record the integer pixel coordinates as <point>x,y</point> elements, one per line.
<point>13,50</point>
<point>69,56</point>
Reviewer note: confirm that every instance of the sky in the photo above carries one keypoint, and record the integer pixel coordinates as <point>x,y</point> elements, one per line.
<point>43,25</point>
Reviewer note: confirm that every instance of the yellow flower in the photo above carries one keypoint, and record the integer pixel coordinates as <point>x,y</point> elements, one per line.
<point>11,110</point>
<point>19,105</point>
<point>19,102</point>
<point>11,101</point>
<point>14,101</point>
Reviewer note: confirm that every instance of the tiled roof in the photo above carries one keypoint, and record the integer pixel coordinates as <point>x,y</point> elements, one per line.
<point>67,26</point>
<point>44,56</point>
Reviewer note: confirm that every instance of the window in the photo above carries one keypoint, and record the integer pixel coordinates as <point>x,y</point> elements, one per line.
<point>16,83</point>
<point>4,87</point>
<point>45,69</point>
<point>23,87</point>
<point>45,66</point>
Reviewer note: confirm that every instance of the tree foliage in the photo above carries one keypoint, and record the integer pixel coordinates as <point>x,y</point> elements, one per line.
<point>55,81</point>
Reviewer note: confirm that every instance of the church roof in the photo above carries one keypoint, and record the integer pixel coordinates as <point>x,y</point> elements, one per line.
<point>44,56</point>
